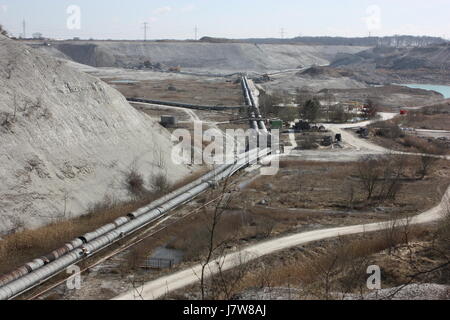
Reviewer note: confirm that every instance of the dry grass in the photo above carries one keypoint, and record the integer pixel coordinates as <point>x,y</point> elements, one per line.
<point>23,246</point>
<point>389,135</point>
<point>437,118</point>
<point>337,266</point>
<point>317,269</point>
<point>26,245</point>
<point>339,188</point>
<point>187,91</point>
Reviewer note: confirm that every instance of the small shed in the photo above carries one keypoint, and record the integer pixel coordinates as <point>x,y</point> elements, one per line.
<point>168,121</point>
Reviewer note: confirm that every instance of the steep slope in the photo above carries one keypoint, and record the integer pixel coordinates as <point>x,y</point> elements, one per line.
<point>66,139</point>
<point>217,57</point>
<point>433,57</point>
<point>424,64</point>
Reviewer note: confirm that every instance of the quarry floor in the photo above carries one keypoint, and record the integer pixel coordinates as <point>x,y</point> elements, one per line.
<point>261,208</point>
<point>202,91</point>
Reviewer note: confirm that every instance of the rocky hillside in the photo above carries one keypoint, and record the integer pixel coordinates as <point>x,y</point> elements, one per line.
<point>67,140</point>
<point>424,64</point>
<point>393,41</point>
<point>211,57</point>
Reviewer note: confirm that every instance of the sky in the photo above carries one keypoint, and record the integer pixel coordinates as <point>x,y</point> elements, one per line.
<point>177,19</point>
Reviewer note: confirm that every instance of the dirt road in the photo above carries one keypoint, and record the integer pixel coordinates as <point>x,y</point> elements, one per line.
<point>357,143</point>
<point>190,113</point>
<point>160,287</point>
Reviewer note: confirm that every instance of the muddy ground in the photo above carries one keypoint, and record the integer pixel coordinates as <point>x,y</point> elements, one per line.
<point>202,91</point>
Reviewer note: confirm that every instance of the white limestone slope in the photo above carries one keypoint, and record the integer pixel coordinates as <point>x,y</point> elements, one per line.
<point>66,139</point>
<point>205,57</point>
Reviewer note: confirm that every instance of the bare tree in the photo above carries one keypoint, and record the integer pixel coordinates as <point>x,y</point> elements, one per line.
<point>369,174</point>
<point>351,195</point>
<point>214,244</point>
<point>268,103</point>
<point>392,171</point>
<point>370,109</point>
<point>426,163</point>
<point>159,158</point>
<point>302,95</point>
<point>226,283</point>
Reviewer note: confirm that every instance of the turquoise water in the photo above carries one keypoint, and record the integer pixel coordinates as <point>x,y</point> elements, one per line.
<point>444,90</point>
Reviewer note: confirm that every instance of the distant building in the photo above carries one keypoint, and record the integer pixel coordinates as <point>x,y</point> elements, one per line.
<point>37,35</point>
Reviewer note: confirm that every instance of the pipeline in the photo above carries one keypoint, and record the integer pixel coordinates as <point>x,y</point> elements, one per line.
<point>75,245</point>
<point>78,242</point>
<point>184,105</point>
<point>253,107</point>
<point>131,225</point>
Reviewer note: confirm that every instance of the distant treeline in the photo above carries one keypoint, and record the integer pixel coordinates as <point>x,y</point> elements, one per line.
<point>393,41</point>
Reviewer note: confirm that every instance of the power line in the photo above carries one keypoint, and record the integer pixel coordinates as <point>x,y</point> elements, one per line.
<point>145,30</point>
<point>24,28</point>
<point>196,33</point>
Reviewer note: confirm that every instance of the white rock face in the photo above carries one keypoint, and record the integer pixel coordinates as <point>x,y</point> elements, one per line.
<point>211,57</point>
<point>66,139</point>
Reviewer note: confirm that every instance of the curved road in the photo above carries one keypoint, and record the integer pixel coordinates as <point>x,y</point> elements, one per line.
<point>160,287</point>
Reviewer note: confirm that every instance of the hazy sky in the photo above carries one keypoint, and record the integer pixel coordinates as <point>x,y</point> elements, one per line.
<point>176,19</point>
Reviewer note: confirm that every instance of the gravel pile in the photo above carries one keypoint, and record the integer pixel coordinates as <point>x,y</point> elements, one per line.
<point>66,140</point>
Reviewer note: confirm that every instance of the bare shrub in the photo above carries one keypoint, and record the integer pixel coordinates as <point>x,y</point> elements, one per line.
<point>338,114</point>
<point>381,177</point>
<point>267,103</point>
<point>425,165</point>
<point>388,130</point>
<point>225,284</point>
<point>134,182</point>
<point>216,241</point>
<point>392,171</point>
<point>444,226</point>
<point>159,158</point>
<point>351,195</point>
<point>370,109</point>
<point>391,235</point>
<point>443,241</point>
<point>303,95</point>
<point>308,143</point>
<point>369,173</point>
<point>415,142</point>
<point>160,182</point>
